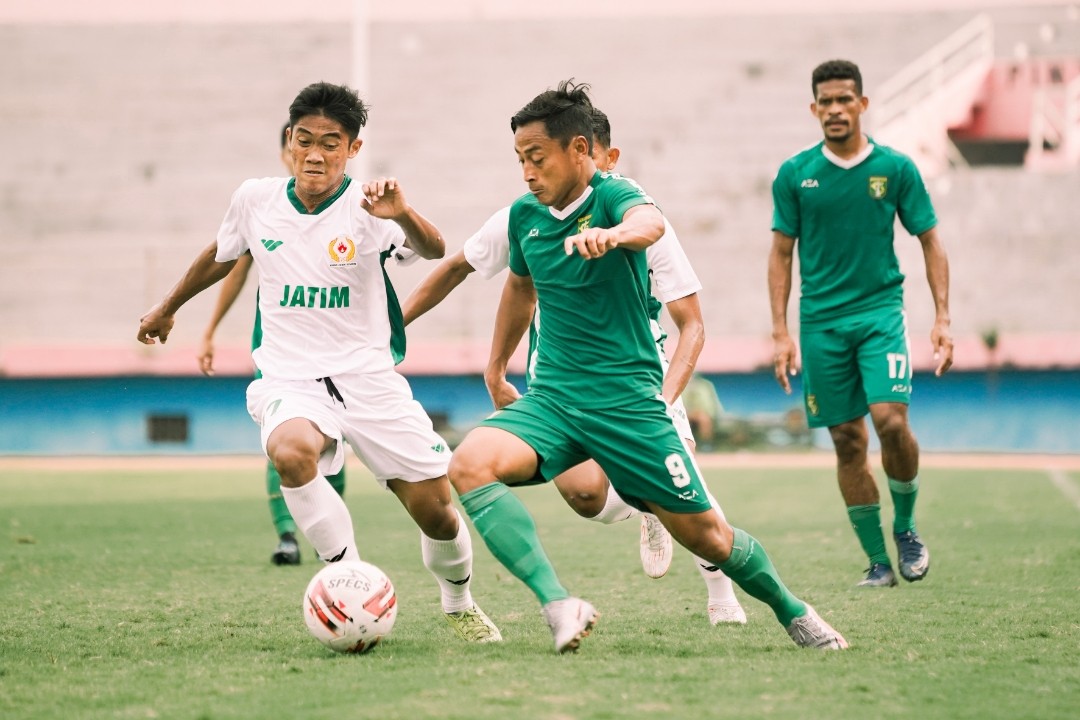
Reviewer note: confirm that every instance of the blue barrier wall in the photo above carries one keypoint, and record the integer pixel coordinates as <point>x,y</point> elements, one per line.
<point>963,411</point>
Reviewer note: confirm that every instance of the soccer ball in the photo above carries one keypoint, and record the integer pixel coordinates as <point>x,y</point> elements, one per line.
<point>350,606</point>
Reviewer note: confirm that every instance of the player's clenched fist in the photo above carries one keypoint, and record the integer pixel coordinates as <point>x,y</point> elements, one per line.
<point>154,324</point>
<point>591,243</point>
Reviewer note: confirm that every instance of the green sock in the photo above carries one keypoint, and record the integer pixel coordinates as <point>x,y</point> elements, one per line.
<point>337,481</point>
<point>903,498</point>
<point>279,511</point>
<point>750,568</point>
<point>866,521</point>
<point>510,534</point>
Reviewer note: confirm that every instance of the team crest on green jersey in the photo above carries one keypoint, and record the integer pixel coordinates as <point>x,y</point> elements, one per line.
<point>583,223</point>
<point>811,404</point>
<point>342,250</point>
<point>879,185</point>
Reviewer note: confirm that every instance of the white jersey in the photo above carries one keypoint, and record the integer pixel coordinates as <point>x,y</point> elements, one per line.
<point>671,277</point>
<point>325,300</point>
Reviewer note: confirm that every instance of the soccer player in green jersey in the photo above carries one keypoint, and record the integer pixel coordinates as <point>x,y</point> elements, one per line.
<point>672,284</point>
<point>287,551</point>
<point>840,200</point>
<point>576,241</point>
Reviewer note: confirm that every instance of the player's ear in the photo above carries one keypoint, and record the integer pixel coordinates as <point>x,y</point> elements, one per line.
<point>354,147</point>
<point>613,157</point>
<point>865,102</point>
<point>813,109</point>
<point>580,145</point>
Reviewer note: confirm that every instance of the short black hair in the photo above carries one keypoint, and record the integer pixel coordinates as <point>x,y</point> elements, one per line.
<point>601,127</point>
<point>337,102</point>
<point>836,70</point>
<point>565,112</point>
<point>285,133</point>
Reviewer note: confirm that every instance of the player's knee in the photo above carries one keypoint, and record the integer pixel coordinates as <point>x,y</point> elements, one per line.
<point>470,468</point>
<point>892,428</point>
<point>585,504</point>
<point>850,441</point>
<point>295,463</point>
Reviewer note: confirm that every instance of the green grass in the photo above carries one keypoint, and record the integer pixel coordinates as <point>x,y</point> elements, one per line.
<point>150,595</point>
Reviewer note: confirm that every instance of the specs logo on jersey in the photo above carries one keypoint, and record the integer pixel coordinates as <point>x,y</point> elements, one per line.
<point>809,183</point>
<point>583,223</point>
<point>271,245</point>
<point>342,250</point>
<point>535,232</point>
<point>878,186</point>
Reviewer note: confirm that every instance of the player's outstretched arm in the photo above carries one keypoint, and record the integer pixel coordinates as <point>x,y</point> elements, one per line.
<point>230,290</point>
<point>780,261</point>
<point>384,198</point>
<point>204,272</point>
<point>512,319</point>
<point>686,314</point>
<point>641,226</point>
<point>937,274</point>
<point>433,289</point>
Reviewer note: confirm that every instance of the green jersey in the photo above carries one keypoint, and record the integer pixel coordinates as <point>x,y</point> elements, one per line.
<point>596,347</point>
<point>842,214</point>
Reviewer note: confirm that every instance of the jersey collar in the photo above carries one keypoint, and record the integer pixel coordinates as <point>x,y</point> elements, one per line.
<point>850,162</point>
<point>290,192</point>
<point>573,207</point>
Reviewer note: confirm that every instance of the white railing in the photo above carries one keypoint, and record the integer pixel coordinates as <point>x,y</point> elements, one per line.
<point>1055,123</point>
<point>925,77</point>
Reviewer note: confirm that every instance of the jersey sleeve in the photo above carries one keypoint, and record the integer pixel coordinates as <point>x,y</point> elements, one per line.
<point>673,277</point>
<point>231,239</point>
<point>785,202</point>
<point>387,235</point>
<point>621,194</point>
<point>914,208</point>
<point>488,249</point>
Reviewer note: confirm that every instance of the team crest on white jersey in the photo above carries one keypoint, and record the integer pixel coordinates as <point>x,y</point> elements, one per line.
<point>342,250</point>
<point>878,185</point>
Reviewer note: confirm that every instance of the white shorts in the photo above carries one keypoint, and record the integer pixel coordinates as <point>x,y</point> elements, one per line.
<point>376,415</point>
<point>677,411</point>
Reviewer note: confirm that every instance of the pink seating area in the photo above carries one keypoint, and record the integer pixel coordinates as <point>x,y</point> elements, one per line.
<point>95,229</point>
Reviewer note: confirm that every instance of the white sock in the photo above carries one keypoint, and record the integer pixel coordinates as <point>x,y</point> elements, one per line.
<point>615,509</point>
<point>322,516</point>
<point>450,561</point>
<point>721,589</point>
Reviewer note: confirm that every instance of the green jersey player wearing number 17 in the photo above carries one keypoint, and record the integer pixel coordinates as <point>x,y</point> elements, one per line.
<point>332,333</point>
<point>576,242</point>
<point>840,200</point>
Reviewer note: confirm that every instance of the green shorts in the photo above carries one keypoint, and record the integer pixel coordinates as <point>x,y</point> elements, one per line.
<point>853,365</point>
<point>637,446</point>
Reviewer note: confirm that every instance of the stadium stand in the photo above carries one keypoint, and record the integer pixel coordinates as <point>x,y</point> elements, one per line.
<point>132,138</point>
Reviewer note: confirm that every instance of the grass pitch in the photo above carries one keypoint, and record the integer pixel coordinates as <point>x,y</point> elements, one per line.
<point>149,594</point>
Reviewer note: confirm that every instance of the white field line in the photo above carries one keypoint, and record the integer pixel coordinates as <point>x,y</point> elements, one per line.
<point>1063,483</point>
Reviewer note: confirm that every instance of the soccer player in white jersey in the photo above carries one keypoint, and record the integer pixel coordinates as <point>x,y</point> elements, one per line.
<point>287,551</point>
<point>672,282</point>
<point>332,334</point>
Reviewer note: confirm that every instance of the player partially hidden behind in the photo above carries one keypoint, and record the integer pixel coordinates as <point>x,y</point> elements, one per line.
<point>840,200</point>
<point>575,249</point>
<point>672,281</point>
<point>332,334</point>
<point>287,551</point>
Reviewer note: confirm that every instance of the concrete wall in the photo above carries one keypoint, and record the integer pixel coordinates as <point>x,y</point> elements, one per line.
<point>126,141</point>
